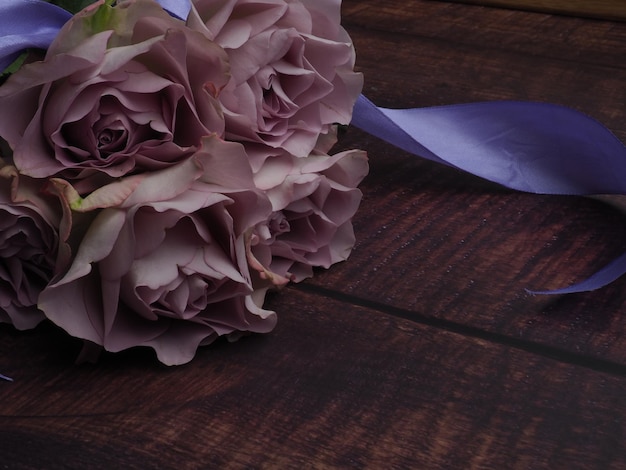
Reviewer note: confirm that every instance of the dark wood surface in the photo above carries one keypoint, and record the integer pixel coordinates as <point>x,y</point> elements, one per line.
<point>424,349</point>
<point>605,9</point>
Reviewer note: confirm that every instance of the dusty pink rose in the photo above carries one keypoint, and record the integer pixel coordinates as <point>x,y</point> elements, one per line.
<point>292,69</point>
<point>122,89</point>
<point>313,201</point>
<point>163,261</point>
<point>29,247</point>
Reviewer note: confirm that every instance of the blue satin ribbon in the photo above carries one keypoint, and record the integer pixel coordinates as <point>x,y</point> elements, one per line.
<point>532,147</point>
<point>27,24</point>
<point>177,8</point>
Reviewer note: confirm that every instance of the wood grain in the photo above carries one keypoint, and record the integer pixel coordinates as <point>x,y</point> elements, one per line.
<point>474,246</point>
<point>605,9</point>
<point>423,350</point>
<point>335,386</point>
<point>434,54</point>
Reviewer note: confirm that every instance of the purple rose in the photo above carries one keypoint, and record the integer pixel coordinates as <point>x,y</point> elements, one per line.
<point>162,262</point>
<point>122,89</point>
<point>29,247</point>
<point>313,201</point>
<point>292,70</point>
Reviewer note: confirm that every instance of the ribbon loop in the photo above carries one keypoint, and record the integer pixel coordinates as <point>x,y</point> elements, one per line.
<point>533,147</point>
<point>27,24</point>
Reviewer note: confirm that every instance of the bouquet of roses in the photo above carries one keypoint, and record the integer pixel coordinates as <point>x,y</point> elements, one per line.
<point>160,174</point>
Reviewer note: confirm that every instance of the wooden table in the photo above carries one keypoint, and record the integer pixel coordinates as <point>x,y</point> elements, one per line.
<point>423,350</point>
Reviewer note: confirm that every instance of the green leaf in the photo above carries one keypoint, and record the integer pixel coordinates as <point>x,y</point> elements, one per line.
<point>15,65</point>
<point>103,18</point>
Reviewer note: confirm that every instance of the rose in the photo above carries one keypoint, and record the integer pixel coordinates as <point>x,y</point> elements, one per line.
<point>162,262</point>
<point>292,70</point>
<point>29,247</point>
<point>122,89</point>
<point>170,235</point>
<point>313,202</point>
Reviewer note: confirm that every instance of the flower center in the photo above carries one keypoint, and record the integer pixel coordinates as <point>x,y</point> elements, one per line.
<point>278,224</point>
<point>109,140</point>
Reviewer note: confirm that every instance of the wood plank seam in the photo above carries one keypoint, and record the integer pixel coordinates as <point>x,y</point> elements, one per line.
<point>599,9</point>
<point>544,350</point>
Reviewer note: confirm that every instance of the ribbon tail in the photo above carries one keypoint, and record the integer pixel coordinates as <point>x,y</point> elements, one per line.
<point>4,377</point>
<point>612,271</point>
<point>533,147</point>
